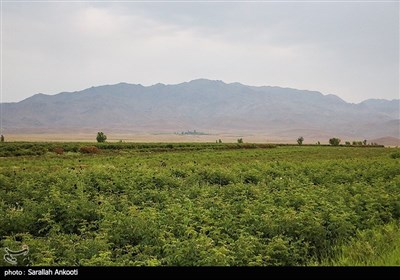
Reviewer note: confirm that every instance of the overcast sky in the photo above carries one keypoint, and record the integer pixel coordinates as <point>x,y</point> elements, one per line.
<point>347,49</point>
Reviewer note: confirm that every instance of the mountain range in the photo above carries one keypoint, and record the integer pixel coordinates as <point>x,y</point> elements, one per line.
<point>205,105</point>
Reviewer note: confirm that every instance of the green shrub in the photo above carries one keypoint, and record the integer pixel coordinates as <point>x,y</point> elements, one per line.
<point>395,155</point>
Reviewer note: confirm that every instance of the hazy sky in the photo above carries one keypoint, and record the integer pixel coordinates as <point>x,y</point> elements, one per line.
<point>347,49</point>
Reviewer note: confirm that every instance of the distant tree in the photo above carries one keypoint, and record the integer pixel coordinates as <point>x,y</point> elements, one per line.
<point>300,140</point>
<point>2,138</point>
<point>334,141</point>
<point>240,140</point>
<point>219,141</point>
<point>101,137</point>
<point>357,143</point>
<point>347,143</point>
<point>318,143</point>
<point>365,142</point>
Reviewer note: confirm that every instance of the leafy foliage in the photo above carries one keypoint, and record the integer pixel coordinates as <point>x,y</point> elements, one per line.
<point>209,204</point>
<point>395,155</point>
<point>334,141</point>
<point>101,137</point>
<point>373,247</point>
<point>300,140</point>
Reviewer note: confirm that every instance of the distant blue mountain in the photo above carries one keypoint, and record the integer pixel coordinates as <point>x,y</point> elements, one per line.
<point>204,105</point>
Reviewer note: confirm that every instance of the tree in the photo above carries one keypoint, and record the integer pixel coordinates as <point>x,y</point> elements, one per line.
<point>2,138</point>
<point>219,141</point>
<point>240,140</point>
<point>300,140</point>
<point>347,143</point>
<point>101,137</point>
<point>334,141</point>
<point>365,142</point>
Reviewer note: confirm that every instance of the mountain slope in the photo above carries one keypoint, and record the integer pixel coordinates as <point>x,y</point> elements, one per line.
<point>204,105</point>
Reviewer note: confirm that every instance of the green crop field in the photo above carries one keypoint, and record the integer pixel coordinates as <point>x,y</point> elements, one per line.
<point>199,204</point>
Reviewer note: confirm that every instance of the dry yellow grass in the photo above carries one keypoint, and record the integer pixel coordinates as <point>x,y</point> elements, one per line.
<point>146,137</point>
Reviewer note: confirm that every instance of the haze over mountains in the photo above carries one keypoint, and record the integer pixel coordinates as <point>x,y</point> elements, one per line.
<point>207,106</point>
